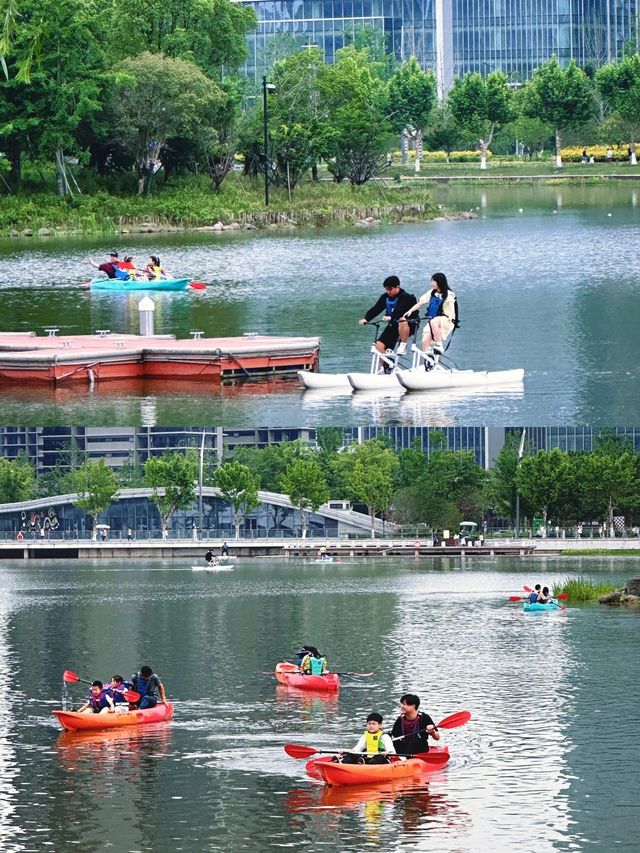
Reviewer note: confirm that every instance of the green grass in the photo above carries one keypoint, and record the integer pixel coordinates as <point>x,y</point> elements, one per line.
<point>583,589</point>
<point>599,552</point>
<point>497,167</point>
<point>190,203</point>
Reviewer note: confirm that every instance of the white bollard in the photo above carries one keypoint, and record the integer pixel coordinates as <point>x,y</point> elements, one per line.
<point>146,307</point>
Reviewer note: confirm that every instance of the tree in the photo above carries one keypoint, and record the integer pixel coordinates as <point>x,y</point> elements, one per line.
<point>270,463</point>
<point>96,486</point>
<point>155,99</point>
<point>454,475</point>
<point>17,479</point>
<point>619,84</point>
<point>480,105</point>
<point>240,488</point>
<point>359,131</point>
<point>210,33</point>
<point>371,478</point>
<point>173,478</point>
<point>306,487</point>
<point>605,483</point>
<point>561,97</point>
<point>412,95</point>
<point>501,486</point>
<point>544,479</point>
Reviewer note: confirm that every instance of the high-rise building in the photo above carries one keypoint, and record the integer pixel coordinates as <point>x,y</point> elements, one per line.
<point>451,37</point>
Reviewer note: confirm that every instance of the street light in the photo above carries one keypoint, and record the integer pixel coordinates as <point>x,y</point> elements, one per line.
<point>266,88</point>
<point>520,453</point>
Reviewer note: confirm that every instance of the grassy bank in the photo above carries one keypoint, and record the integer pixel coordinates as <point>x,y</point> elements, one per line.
<point>583,589</point>
<point>190,203</point>
<point>517,169</point>
<point>600,552</point>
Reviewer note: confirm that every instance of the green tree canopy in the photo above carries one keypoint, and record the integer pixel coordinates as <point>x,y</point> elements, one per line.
<point>412,96</point>
<point>371,477</point>
<point>96,486</point>
<point>544,481</point>
<point>173,478</point>
<point>561,97</point>
<point>619,84</point>
<point>479,105</point>
<point>17,480</point>
<point>239,486</point>
<point>306,487</point>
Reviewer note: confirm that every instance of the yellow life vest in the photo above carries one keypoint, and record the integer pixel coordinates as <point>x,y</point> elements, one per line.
<point>373,742</point>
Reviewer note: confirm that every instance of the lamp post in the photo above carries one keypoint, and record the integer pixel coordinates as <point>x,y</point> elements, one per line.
<point>520,453</point>
<point>266,88</point>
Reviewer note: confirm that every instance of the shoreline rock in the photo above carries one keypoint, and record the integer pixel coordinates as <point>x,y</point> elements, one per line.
<point>628,595</point>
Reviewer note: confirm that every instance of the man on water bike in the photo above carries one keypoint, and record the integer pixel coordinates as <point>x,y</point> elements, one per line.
<point>395,302</point>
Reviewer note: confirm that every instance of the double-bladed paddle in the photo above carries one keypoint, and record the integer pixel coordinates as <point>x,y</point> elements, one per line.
<point>71,678</point>
<point>197,285</point>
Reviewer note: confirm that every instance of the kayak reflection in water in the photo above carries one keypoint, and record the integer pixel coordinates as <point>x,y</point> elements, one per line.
<point>374,747</point>
<point>150,688</point>
<point>99,701</point>
<point>314,662</point>
<point>413,727</point>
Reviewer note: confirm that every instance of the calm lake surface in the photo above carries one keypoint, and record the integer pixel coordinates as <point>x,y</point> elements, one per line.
<point>552,289</point>
<point>548,762</point>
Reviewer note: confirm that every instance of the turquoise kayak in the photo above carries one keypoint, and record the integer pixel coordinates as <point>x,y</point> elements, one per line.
<point>541,608</point>
<point>118,286</point>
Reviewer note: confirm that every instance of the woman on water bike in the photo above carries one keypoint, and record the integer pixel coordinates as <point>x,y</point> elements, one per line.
<point>441,316</point>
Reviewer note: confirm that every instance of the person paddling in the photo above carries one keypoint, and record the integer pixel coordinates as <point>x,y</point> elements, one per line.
<point>109,267</point>
<point>210,557</point>
<point>374,747</point>
<point>99,700</point>
<point>154,268</point>
<point>314,662</point>
<point>150,688</point>
<point>543,597</point>
<point>412,729</point>
<point>116,689</point>
<point>533,597</point>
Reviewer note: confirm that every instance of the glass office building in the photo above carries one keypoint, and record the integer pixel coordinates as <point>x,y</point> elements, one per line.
<point>451,37</point>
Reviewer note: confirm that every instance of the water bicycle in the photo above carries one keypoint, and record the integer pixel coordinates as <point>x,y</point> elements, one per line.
<point>428,371</point>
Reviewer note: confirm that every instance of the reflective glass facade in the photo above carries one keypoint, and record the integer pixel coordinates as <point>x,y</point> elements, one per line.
<point>451,37</point>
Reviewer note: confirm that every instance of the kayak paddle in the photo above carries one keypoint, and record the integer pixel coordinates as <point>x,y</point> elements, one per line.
<point>455,720</point>
<point>298,751</point>
<point>563,595</point>
<point>197,285</point>
<point>72,678</point>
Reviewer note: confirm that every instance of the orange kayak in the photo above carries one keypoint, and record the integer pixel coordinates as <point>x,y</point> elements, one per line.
<point>290,674</point>
<point>72,721</point>
<point>333,773</point>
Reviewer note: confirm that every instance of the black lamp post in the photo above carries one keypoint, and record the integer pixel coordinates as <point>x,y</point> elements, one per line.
<point>266,88</point>
<point>518,461</point>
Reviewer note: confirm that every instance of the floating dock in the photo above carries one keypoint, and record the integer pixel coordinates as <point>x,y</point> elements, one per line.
<point>29,358</point>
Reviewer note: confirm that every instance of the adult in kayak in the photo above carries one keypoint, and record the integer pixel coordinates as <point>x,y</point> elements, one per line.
<point>395,302</point>
<point>543,597</point>
<point>374,747</point>
<point>150,688</point>
<point>98,702</point>
<point>441,316</point>
<point>533,597</point>
<point>413,726</point>
<point>109,267</point>
<point>314,662</point>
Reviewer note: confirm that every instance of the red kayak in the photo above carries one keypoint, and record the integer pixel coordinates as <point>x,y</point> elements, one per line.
<point>72,721</point>
<point>292,676</point>
<point>331,773</point>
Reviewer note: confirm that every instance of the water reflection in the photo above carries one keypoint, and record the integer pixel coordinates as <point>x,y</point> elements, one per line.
<point>124,752</point>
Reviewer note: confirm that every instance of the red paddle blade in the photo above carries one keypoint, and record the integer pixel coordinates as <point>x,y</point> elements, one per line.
<point>455,720</point>
<point>297,751</point>
<point>70,677</point>
<point>564,596</point>
<point>131,695</point>
<point>527,589</point>
<point>197,285</point>
<point>439,759</point>
<point>515,598</point>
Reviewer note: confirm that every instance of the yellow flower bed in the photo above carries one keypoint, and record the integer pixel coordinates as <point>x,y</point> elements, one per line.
<point>598,152</point>
<point>441,156</point>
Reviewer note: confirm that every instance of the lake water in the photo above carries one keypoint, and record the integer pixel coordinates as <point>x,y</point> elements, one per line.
<point>548,762</point>
<point>551,289</point>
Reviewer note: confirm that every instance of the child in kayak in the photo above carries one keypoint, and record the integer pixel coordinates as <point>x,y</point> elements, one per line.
<point>150,688</point>
<point>374,747</point>
<point>98,702</point>
<point>544,597</point>
<point>154,268</point>
<point>534,596</point>
<point>115,689</point>
<point>413,729</point>
<point>314,662</point>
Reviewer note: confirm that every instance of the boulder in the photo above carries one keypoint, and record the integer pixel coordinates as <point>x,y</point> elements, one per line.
<point>44,232</point>
<point>218,226</point>
<point>633,586</point>
<point>27,232</point>
<point>232,226</point>
<point>612,597</point>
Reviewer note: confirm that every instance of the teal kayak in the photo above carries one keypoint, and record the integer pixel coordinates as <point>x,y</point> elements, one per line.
<point>118,286</point>
<point>541,608</point>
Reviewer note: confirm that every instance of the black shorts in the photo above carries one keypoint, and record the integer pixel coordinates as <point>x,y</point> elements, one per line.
<point>391,333</point>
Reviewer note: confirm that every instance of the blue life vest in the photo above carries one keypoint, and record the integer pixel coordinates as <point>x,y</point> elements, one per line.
<point>143,686</point>
<point>435,305</point>
<point>533,598</point>
<point>316,665</point>
<point>123,275</point>
<point>392,304</point>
